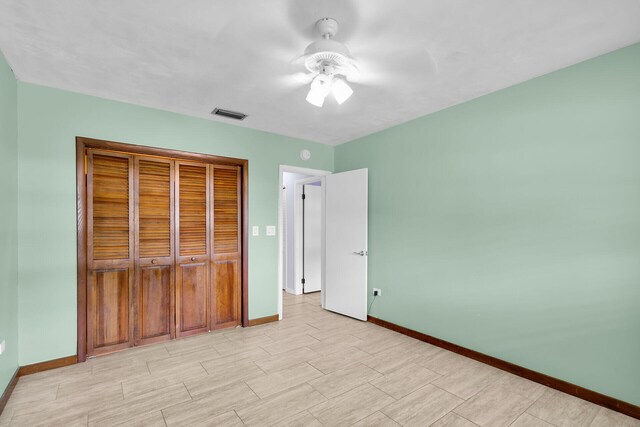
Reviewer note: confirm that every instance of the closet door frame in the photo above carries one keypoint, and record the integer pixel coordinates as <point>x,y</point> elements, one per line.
<point>82,144</point>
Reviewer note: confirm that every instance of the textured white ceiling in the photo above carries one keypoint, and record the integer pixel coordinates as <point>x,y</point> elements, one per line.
<point>417,56</point>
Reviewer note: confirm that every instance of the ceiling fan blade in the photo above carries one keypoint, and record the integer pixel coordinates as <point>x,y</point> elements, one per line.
<point>298,60</point>
<point>386,55</point>
<point>415,64</point>
<point>303,78</point>
<point>266,59</point>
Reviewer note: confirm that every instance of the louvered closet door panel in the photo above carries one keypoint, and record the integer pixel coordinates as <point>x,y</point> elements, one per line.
<point>226,286</point>
<point>193,209</point>
<point>192,250</point>
<point>110,207</point>
<point>155,207</point>
<point>154,304</point>
<point>110,250</point>
<point>155,262</point>
<point>226,291</point>
<point>226,208</point>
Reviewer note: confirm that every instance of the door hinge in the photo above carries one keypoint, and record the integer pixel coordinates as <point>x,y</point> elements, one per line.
<point>303,281</point>
<point>303,196</point>
<point>86,164</point>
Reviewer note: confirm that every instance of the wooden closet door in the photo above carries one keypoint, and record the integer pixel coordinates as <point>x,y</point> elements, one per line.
<point>110,253</point>
<point>226,270</point>
<point>154,210</point>
<point>192,253</point>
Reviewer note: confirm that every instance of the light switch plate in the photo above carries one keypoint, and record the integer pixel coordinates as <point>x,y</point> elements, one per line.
<point>2,346</point>
<point>256,230</point>
<point>271,230</point>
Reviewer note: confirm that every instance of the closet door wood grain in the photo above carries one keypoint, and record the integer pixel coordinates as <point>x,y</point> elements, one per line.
<point>226,247</point>
<point>192,250</point>
<point>155,263</point>
<point>110,252</point>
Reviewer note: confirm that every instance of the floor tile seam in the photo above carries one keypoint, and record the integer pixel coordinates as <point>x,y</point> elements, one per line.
<point>344,392</point>
<point>537,418</point>
<point>246,382</point>
<point>522,394</point>
<point>164,419</point>
<point>191,399</point>
<point>187,388</point>
<point>485,388</point>
<point>151,391</point>
<point>413,391</point>
<point>279,419</point>
<point>334,352</point>
<point>402,365</point>
<point>321,393</point>
<point>502,373</point>
<point>455,413</point>
<point>236,412</point>
<point>448,392</point>
<point>533,401</point>
<point>15,414</point>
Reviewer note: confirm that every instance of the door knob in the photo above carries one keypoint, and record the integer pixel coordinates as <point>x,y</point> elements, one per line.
<point>153,261</point>
<point>361,253</point>
<point>193,258</point>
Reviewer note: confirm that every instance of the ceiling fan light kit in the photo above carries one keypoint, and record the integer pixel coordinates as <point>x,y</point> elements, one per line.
<point>341,91</point>
<point>331,63</point>
<point>320,87</point>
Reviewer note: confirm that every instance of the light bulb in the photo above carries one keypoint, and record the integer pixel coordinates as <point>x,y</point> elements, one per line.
<point>320,87</point>
<point>315,97</point>
<point>341,91</point>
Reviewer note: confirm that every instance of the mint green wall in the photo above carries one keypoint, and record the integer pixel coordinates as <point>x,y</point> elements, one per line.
<point>48,122</point>
<point>8,223</point>
<point>510,224</point>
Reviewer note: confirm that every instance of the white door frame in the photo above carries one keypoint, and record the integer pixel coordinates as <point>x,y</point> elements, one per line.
<point>282,170</point>
<point>298,213</point>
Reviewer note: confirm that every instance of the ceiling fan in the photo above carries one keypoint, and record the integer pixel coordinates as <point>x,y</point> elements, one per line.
<point>329,66</point>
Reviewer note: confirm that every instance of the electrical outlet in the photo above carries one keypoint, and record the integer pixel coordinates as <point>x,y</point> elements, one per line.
<point>256,230</point>
<point>2,346</point>
<point>377,292</point>
<point>271,230</point>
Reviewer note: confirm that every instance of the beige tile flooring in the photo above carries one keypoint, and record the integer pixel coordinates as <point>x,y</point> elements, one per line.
<point>314,368</point>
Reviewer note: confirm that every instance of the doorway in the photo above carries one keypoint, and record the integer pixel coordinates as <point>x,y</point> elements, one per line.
<point>342,261</point>
<point>293,181</point>
<point>311,234</point>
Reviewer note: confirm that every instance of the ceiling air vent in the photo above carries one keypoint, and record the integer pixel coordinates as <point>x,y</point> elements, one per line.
<point>227,113</point>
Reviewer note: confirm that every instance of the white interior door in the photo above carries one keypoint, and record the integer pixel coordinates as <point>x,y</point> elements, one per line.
<point>312,237</point>
<point>346,209</point>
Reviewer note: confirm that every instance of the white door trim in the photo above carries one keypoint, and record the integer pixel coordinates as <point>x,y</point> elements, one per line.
<point>282,170</point>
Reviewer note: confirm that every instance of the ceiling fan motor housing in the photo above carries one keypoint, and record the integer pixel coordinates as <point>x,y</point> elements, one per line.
<point>327,55</point>
<point>327,27</point>
<point>326,51</point>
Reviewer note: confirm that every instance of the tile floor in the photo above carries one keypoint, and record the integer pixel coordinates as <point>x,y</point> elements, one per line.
<point>314,368</point>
